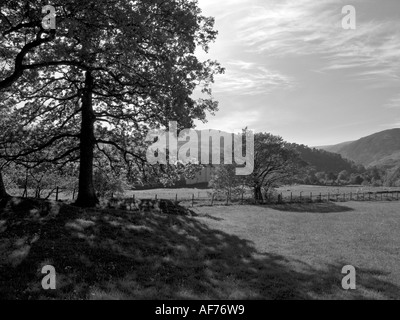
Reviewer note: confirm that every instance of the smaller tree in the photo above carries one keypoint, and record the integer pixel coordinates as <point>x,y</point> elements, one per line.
<point>343,177</point>
<point>108,184</point>
<point>275,162</point>
<point>356,179</point>
<point>331,178</point>
<point>320,177</point>
<point>224,180</point>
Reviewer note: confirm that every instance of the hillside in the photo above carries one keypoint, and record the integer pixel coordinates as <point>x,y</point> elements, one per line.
<point>324,161</point>
<point>380,149</point>
<point>336,147</point>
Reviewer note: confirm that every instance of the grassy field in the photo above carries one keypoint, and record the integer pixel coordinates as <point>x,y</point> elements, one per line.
<point>300,250</point>
<point>230,252</point>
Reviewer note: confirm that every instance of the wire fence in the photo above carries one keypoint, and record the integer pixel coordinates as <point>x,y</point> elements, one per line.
<point>292,198</point>
<point>207,198</point>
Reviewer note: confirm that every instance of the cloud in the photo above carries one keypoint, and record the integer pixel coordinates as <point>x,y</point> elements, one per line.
<point>393,103</point>
<point>309,27</point>
<point>247,78</point>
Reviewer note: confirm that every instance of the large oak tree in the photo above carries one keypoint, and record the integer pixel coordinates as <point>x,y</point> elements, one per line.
<point>113,70</point>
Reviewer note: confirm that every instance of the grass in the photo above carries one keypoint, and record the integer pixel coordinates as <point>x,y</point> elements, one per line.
<point>237,252</point>
<point>315,241</point>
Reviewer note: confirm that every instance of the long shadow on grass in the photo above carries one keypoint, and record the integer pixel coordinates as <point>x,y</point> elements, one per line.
<point>323,207</point>
<point>121,255</point>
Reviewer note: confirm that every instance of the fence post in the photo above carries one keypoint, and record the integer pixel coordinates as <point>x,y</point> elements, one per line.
<point>176,199</point>
<point>193,200</point>
<point>157,197</point>
<point>291,197</point>
<point>73,194</point>
<point>311,196</point>
<point>57,189</point>
<point>212,200</point>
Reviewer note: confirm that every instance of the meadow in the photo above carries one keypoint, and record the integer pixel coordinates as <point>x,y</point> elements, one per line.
<point>290,251</point>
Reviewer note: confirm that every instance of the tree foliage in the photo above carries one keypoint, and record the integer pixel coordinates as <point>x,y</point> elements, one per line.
<point>275,162</point>
<point>111,71</point>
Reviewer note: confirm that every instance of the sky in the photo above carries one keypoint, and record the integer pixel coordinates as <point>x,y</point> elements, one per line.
<point>294,71</point>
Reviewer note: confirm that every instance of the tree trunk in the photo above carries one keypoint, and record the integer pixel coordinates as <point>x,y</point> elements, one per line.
<point>3,191</point>
<point>258,194</point>
<point>86,195</point>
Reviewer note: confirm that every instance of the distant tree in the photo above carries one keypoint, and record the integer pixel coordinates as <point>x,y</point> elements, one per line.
<point>343,177</point>
<point>392,178</point>
<point>321,177</point>
<point>356,179</point>
<point>376,182</point>
<point>331,178</point>
<point>225,180</point>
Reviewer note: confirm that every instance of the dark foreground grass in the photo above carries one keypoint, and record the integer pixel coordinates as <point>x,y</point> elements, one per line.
<point>224,253</point>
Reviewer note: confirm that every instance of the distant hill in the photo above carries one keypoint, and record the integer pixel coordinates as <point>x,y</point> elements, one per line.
<point>324,161</point>
<point>380,149</point>
<point>336,147</point>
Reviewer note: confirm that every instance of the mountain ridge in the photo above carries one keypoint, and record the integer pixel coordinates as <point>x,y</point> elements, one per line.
<point>381,149</point>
